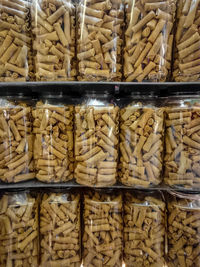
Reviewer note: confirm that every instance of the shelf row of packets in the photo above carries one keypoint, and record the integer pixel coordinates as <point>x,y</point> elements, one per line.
<point>99,40</point>
<point>137,229</point>
<point>100,142</point>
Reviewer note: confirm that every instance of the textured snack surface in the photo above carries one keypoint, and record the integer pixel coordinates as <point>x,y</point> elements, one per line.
<point>144,230</point>
<point>53,144</point>
<point>60,230</point>
<point>99,40</point>
<point>103,226</point>
<point>141,145</point>
<point>19,230</point>
<point>148,40</point>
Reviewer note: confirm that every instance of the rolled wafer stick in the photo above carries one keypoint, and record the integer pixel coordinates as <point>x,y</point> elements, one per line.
<point>139,160</point>
<point>101,23</point>
<point>102,239</point>
<point>58,41</point>
<point>58,142</point>
<point>151,36</point>
<point>19,237</point>
<point>64,213</point>
<point>96,148</point>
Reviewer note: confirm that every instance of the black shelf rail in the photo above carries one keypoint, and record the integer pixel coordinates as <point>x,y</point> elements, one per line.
<point>34,184</point>
<point>79,87</point>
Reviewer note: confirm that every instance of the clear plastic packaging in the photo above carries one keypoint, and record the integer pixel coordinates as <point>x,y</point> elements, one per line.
<point>187,42</point>
<point>53,143</point>
<point>96,140</point>
<point>100,39</point>
<point>53,27</point>
<point>144,229</point>
<point>16,140</point>
<point>183,230</point>
<point>15,41</point>
<point>182,141</point>
<point>103,229</point>
<point>60,230</point>
<point>19,229</point>
<point>141,141</point>
<point>148,40</point>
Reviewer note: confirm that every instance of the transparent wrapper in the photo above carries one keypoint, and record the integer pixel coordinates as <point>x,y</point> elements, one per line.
<point>100,39</point>
<point>103,226</point>
<point>16,142</point>
<point>96,143</point>
<point>144,230</point>
<point>183,230</point>
<point>53,27</point>
<point>53,142</point>
<point>148,40</point>
<point>19,230</point>
<point>15,41</point>
<point>187,42</point>
<point>182,143</point>
<point>141,144</point>
<point>60,230</point>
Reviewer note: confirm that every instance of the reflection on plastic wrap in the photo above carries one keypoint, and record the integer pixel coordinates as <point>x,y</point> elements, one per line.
<point>149,40</point>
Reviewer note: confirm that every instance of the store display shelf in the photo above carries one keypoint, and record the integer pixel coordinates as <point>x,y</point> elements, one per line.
<point>80,87</point>
<point>34,184</point>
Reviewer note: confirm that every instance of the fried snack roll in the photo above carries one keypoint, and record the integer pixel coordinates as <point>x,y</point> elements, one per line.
<point>53,142</point>
<point>144,230</point>
<point>187,42</point>
<point>16,64</point>
<point>16,142</point>
<point>60,230</point>
<point>182,144</point>
<point>141,144</point>
<point>148,40</point>
<point>100,39</point>
<point>96,144</point>
<point>183,231</point>
<point>103,226</point>
<point>19,230</point>
<point>53,27</point>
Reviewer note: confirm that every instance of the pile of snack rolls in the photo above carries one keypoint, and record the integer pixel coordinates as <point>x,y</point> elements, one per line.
<point>141,142</point>
<point>99,40</point>
<point>135,228</point>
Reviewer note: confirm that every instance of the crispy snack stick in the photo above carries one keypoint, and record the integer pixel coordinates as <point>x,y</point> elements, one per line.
<point>96,140</point>
<point>183,231</point>
<point>19,230</point>
<point>99,40</point>
<point>53,27</point>
<point>182,143</point>
<point>186,64</point>
<point>60,230</point>
<point>144,230</point>
<point>148,40</point>
<point>16,63</point>
<point>102,238</point>
<point>141,145</point>
<point>53,143</point>
<point>16,143</point>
